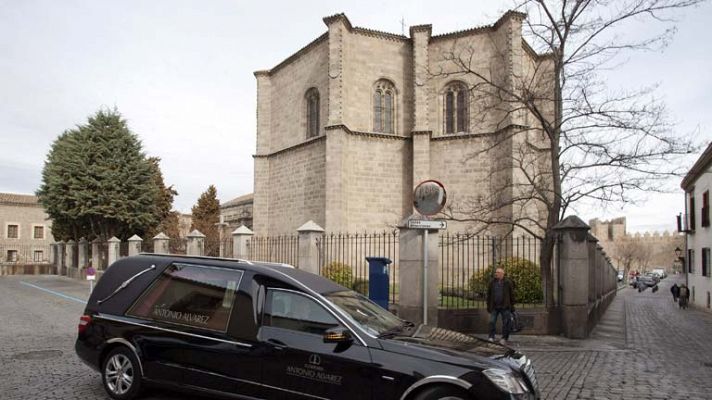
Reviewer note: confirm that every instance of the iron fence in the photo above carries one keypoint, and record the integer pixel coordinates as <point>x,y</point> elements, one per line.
<point>25,254</point>
<point>342,258</point>
<point>103,256</point>
<point>281,249</point>
<point>123,249</point>
<point>468,262</point>
<point>226,249</point>
<point>147,246</point>
<point>178,246</point>
<point>212,247</point>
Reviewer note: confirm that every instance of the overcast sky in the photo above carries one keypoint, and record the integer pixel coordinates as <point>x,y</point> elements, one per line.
<point>181,72</point>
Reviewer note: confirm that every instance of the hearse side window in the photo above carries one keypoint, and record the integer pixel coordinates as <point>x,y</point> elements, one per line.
<point>190,295</point>
<point>291,310</point>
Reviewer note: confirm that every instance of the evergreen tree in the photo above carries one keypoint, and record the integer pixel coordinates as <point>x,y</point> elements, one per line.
<point>168,220</point>
<point>97,182</point>
<point>206,215</point>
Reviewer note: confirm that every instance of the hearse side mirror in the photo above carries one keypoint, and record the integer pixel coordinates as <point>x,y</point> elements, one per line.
<point>338,334</point>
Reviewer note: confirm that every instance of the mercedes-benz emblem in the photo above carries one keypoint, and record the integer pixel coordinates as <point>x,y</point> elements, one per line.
<point>314,359</point>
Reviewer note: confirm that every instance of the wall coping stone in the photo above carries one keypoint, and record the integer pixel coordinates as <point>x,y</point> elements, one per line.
<point>310,226</point>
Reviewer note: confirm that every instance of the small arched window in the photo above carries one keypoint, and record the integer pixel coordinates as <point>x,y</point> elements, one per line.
<point>312,97</point>
<point>384,96</point>
<point>456,108</point>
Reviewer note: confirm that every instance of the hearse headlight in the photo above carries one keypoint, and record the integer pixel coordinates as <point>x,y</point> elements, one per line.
<point>506,381</point>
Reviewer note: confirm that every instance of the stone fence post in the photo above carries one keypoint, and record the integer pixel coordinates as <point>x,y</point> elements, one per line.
<point>196,243</point>
<point>113,253</point>
<point>83,257</point>
<point>410,279</point>
<point>135,243</point>
<point>240,239</point>
<point>96,254</point>
<point>69,254</point>
<point>161,244</point>
<point>574,262</point>
<point>308,250</point>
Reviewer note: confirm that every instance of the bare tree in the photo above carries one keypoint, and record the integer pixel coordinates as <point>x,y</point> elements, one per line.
<point>571,137</point>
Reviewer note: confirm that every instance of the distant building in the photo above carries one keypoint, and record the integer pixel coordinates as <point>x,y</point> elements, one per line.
<point>697,184</point>
<point>25,229</point>
<point>236,212</point>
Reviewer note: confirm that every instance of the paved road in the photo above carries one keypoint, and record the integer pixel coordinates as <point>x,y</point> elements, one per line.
<point>644,348</point>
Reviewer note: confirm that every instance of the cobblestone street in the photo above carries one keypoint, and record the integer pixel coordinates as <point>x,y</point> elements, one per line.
<point>644,348</point>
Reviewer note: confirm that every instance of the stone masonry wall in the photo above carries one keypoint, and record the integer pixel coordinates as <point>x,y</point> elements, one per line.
<point>288,104</point>
<point>378,193</point>
<point>368,59</point>
<point>438,51</point>
<point>297,188</point>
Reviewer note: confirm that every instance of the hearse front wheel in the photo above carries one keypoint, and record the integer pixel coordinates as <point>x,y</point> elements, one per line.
<point>121,375</point>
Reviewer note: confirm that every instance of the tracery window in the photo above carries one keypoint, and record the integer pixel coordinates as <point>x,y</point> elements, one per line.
<point>384,107</point>
<point>456,108</point>
<point>312,97</point>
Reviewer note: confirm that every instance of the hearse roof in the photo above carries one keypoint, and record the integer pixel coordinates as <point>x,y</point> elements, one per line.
<point>273,270</point>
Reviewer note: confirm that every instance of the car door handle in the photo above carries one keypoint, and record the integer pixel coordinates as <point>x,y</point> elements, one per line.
<point>277,344</point>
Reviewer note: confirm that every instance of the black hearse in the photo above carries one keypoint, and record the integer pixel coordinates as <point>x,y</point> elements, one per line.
<point>255,330</point>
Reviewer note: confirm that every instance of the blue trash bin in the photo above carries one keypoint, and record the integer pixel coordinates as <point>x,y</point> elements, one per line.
<point>378,284</point>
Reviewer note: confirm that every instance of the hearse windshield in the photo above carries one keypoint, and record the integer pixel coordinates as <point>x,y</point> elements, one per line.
<point>372,318</point>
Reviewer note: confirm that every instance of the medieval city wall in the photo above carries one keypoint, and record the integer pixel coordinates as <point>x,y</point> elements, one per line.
<point>645,250</point>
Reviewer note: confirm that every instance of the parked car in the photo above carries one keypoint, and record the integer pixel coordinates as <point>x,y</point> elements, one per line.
<point>660,272</point>
<point>256,330</point>
<point>646,281</point>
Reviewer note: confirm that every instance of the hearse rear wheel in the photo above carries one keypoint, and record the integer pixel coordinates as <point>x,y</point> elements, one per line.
<point>442,393</point>
<point>120,374</point>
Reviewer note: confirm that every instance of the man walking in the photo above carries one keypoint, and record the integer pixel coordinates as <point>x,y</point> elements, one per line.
<point>675,290</point>
<point>500,302</point>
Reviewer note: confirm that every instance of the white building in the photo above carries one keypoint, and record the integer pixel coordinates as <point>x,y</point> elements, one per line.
<point>697,184</point>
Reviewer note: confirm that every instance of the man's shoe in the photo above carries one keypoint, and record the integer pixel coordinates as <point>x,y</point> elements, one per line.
<point>503,342</point>
<point>491,338</point>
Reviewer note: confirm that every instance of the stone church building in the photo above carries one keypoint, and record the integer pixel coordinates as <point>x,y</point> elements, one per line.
<point>348,125</point>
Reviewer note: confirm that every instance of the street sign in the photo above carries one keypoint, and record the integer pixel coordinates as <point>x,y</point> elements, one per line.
<point>91,274</point>
<point>426,224</point>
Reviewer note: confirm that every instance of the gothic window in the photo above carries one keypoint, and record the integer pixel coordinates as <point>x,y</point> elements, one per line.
<point>384,107</point>
<point>456,108</point>
<point>312,98</point>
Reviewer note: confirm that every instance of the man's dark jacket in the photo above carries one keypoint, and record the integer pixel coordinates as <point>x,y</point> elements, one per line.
<point>507,297</point>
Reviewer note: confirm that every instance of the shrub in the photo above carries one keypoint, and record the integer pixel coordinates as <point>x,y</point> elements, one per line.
<point>339,273</point>
<point>524,273</point>
<point>360,285</point>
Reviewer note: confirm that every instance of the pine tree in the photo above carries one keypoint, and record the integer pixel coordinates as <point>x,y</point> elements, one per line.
<point>97,182</point>
<point>206,216</point>
<point>168,220</point>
